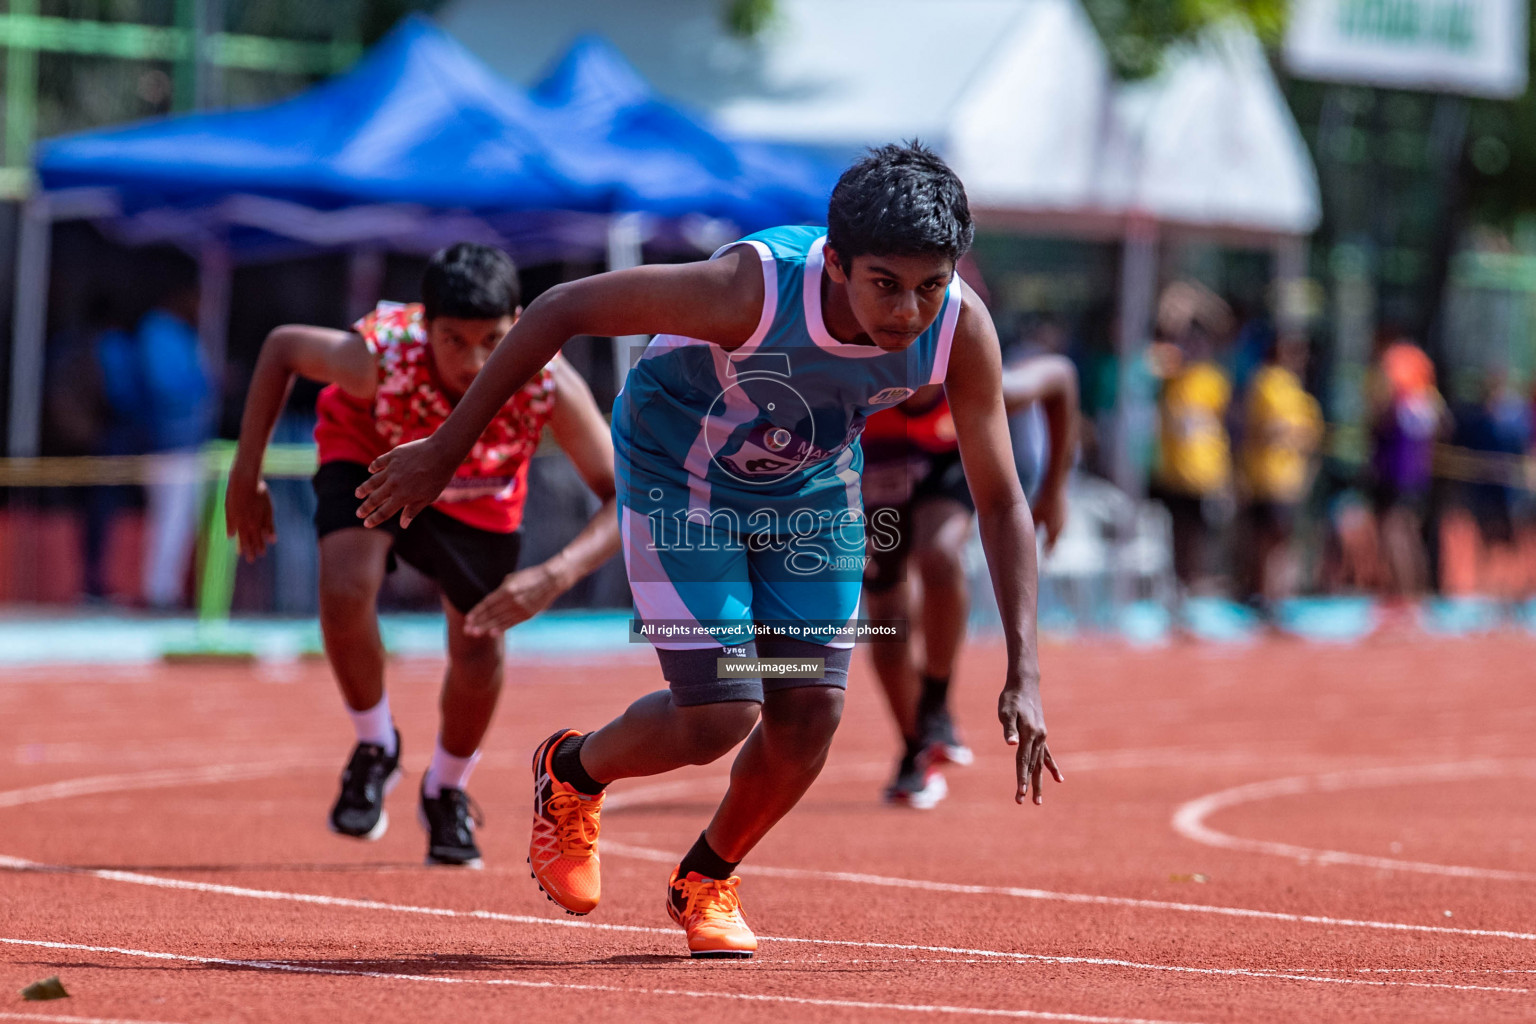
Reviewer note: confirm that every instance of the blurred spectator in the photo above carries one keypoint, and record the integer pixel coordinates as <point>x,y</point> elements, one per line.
<point>1252,347</point>
<point>91,406</point>
<point>1194,465</point>
<point>1098,368</point>
<point>1525,504</point>
<point>179,406</point>
<point>75,406</point>
<point>1407,418</point>
<point>1187,305</point>
<point>1038,336</point>
<point>1282,426</point>
<point>1495,430</point>
<point>1352,549</point>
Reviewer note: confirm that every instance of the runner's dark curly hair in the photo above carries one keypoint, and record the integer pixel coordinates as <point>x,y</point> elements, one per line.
<point>470,281</point>
<point>900,200</point>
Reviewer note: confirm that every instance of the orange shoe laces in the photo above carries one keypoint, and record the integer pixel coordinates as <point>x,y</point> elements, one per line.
<point>712,899</point>
<point>576,823</point>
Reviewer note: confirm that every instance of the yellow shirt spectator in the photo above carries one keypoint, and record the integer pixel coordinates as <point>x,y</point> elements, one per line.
<point>1281,430</point>
<point>1196,452</point>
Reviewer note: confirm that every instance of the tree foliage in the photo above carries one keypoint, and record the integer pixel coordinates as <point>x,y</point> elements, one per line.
<point>1502,152</point>
<point>747,18</point>
<point>1137,33</point>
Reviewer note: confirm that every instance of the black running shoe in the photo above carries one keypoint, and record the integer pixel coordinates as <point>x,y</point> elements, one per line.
<point>918,784</point>
<point>944,744</point>
<point>450,820</point>
<point>369,776</point>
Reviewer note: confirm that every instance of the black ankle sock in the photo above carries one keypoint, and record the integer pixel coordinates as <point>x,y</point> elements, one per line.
<point>704,860</point>
<point>568,769</point>
<point>935,695</point>
<point>914,747</point>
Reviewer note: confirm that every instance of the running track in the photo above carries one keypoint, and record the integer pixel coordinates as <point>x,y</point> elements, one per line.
<point>1364,820</point>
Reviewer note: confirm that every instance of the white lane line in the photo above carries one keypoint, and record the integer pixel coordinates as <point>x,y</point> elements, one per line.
<point>96,785</point>
<point>1407,970</point>
<point>848,1004</point>
<point>215,773</point>
<point>823,961</point>
<point>1189,819</point>
<point>860,878</point>
<point>63,1019</point>
<point>491,915</point>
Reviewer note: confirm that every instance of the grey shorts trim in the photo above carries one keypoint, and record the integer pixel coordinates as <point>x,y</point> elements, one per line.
<point>692,677</point>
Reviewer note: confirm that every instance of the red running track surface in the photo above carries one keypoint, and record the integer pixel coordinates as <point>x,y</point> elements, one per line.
<point>1362,822</point>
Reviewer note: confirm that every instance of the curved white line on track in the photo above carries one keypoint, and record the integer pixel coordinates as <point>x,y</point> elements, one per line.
<point>871,771</point>
<point>1189,819</point>
<point>64,1019</point>
<point>846,1004</point>
<point>161,779</point>
<point>216,773</point>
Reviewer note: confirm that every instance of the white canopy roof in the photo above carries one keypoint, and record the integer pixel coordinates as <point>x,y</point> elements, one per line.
<point>1016,94</point>
<point>1211,142</point>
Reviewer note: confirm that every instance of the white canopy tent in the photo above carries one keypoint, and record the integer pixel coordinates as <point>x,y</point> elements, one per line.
<point>1017,95</point>
<point>1209,143</point>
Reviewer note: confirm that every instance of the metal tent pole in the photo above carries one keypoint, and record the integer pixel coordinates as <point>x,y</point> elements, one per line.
<point>1290,270</point>
<point>1134,416</point>
<point>29,326</point>
<point>625,238</point>
<point>1138,296</point>
<point>215,271</point>
<point>366,266</point>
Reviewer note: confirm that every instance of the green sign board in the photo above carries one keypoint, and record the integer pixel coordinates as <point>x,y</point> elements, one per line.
<point>1477,47</point>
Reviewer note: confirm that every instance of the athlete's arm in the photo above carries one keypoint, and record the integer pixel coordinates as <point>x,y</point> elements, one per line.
<point>973,383</point>
<point>580,431</point>
<point>718,301</point>
<point>1051,381</point>
<point>319,353</point>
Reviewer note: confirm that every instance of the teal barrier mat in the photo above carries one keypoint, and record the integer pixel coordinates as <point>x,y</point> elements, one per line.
<point>125,639</point>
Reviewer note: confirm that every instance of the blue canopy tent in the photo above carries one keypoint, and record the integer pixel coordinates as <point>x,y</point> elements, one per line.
<point>661,159</point>
<point>664,160</point>
<point>417,120</point>
<point>418,144</point>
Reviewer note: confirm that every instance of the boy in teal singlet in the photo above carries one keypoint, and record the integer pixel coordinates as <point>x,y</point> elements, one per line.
<point>739,468</point>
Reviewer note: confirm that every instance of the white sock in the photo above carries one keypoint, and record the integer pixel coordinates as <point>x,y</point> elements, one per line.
<point>447,772</point>
<point>375,725</point>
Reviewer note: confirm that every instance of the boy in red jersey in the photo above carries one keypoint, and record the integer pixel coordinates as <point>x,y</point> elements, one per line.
<point>393,378</point>
<point>920,510</point>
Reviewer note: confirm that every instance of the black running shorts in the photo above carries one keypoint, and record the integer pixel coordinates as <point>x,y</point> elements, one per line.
<point>465,562</point>
<point>926,478</point>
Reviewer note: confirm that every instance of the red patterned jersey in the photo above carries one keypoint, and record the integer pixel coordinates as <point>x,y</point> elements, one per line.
<point>895,433</point>
<point>490,487</point>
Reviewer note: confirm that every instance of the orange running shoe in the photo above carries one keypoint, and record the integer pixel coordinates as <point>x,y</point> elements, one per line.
<point>710,912</point>
<point>563,851</point>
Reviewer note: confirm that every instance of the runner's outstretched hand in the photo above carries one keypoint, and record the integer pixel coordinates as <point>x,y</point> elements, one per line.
<point>405,480</point>
<point>1018,708</point>
<point>521,596</point>
<point>1050,514</point>
<point>248,515</point>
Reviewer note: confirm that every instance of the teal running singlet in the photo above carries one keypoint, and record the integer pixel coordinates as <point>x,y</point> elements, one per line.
<point>739,472</point>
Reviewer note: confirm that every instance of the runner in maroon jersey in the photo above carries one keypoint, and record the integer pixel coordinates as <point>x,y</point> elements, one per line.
<point>920,511</point>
